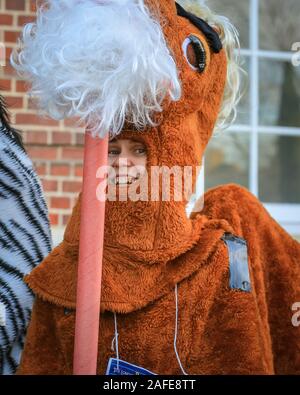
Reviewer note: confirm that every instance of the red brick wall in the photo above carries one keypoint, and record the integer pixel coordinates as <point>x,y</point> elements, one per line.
<point>54,147</point>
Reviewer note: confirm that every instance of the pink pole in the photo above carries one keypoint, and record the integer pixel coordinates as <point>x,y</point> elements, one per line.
<point>90,259</point>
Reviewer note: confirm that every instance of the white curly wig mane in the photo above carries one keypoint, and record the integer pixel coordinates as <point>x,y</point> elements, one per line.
<point>108,64</point>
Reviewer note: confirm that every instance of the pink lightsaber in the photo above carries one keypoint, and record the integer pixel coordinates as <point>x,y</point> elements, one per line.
<point>90,259</point>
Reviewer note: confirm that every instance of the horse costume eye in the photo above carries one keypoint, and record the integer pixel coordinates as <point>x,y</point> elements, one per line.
<point>194,53</point>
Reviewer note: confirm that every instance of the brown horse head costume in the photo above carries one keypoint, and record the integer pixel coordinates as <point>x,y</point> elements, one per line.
<point>212,293</point>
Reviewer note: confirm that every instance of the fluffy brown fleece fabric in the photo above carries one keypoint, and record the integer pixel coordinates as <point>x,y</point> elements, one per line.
<point>149,247</point>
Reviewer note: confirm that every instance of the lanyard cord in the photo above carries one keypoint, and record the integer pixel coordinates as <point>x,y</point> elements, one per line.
<point>115,339</point>
<point>176,328</point>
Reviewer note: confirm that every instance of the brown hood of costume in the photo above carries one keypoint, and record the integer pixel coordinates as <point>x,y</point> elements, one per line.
<point>149,247</point>
<point>153,231</point>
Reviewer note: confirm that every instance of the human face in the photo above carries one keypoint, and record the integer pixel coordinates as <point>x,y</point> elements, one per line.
<point>128,158</point>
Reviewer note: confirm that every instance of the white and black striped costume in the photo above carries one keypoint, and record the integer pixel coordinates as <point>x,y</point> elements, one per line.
<point>25,239</point>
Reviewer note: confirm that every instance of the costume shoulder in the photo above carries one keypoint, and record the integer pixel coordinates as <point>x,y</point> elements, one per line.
<point>245,213</point>
<point>274,261</point>
<point>268,243</point>
<point>231,202</point>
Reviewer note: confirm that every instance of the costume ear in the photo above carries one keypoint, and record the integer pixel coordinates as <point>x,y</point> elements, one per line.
<point>210,33</point>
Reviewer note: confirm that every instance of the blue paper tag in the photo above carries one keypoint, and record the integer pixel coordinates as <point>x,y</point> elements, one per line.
<point>119,367</point>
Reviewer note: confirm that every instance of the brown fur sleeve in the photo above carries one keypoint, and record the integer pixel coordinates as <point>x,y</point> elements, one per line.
<point>274,258</point>
<point>42,353</point>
